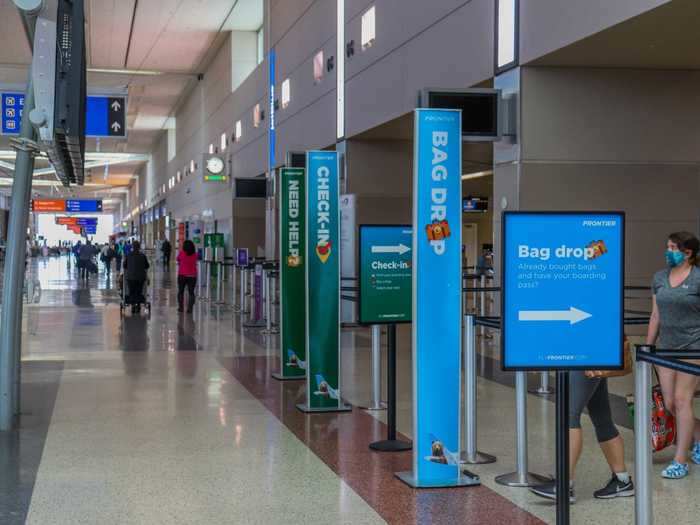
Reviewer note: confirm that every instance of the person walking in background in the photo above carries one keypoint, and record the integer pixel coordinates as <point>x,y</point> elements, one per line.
<point>76,252</point>
<point>166,249</point>
<point>107,254</point>
<point>186,275</point>
<point>118,254</point>
<point>86,264</point>
<point>675,325</point>
<point>136,272</point>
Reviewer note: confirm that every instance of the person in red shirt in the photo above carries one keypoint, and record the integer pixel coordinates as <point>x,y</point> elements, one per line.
<point>186,275</point>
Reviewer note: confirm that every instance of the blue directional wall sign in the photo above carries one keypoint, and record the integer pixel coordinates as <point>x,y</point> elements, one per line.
<point>83,206</point>
<point>12,107</point>
<point>105,116</point>
<point>562,294</point>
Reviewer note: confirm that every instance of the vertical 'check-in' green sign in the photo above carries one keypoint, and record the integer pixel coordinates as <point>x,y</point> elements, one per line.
<point>322,258</point>
<point>292,274</point>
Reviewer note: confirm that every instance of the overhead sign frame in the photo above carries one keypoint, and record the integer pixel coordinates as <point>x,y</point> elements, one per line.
<point>560,316</point>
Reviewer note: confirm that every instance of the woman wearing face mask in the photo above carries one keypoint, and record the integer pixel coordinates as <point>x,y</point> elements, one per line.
<point>675,325</point>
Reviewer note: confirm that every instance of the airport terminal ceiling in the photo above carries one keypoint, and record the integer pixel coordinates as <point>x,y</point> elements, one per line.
<point>151,51</point>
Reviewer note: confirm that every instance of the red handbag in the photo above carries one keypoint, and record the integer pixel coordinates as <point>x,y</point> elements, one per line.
<point>663,423</point>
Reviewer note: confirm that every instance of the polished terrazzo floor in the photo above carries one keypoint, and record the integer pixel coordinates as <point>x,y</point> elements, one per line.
<point>175,419</point>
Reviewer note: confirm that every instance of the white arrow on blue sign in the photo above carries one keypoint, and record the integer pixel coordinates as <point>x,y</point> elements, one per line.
<point>104,116</point>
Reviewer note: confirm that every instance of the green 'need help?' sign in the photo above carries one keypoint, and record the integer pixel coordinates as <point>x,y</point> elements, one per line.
<point>292,216</point>
<point>386,276</point>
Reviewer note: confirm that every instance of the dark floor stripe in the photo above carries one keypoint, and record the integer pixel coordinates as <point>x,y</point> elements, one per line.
<point>340,441</point>
<point>21,449</point>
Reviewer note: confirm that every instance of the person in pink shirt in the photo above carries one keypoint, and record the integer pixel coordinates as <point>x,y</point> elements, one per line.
<point>186,275</point>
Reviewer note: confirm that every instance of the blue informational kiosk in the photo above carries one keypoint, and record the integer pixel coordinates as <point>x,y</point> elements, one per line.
<point>437,301</point>
<point>562,304</point>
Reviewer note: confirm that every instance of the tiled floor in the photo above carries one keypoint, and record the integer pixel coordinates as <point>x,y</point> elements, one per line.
<point>175,419</point>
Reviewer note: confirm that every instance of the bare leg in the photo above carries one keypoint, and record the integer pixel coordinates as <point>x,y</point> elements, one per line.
<point>614,451</point>
<point>683,401</point>
<point>667,379</point>
<point>575,448</point>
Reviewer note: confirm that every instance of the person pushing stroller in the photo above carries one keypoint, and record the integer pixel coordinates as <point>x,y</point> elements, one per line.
<point>135,272</point>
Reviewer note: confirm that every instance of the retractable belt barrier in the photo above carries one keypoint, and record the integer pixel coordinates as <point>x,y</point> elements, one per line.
<point>646,356</point>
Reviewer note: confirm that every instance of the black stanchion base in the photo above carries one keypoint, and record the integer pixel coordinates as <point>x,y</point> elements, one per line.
<point>464,479</point>
<point>280,377</point>
<point>391,445</point>
<point>312,410</point>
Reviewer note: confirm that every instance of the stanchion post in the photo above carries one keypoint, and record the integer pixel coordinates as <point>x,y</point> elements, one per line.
<point>562,438</point>
<point>234,305</point>
<point>200,276</point>
<point>643,498</point>
<point>544,388</point>
<point>375,402</point>
<point>391,444</point>
<point>219,282</point>
<point>268,304</point>
<point>266,298</point>
<point>521,477</point>
<point>470,454</point>
<point>482,303</point>
<point>273,301</point>
<point>243,291</point>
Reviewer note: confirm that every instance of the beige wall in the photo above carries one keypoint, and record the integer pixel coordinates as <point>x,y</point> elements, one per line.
<point>614,140</point>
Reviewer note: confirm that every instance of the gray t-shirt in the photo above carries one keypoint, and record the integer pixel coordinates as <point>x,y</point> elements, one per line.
<point>679,311</point>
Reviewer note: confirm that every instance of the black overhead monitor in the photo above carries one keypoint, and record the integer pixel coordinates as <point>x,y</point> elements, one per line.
<point>480,110</point>
<point>296,159</point>
<point>68,151</point>
<point>250,188</point>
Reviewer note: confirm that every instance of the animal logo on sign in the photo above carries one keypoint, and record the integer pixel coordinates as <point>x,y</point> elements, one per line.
<point>324,389</point>
<point>439,453</point>
<point>294,261</point>
<point>323,250</point>
<point>438,230</point>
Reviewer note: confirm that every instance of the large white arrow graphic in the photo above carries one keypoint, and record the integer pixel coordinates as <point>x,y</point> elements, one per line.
<point>572,315</point>
<point>400,249</point>
<point>116,106</point>
<point>116,127</point>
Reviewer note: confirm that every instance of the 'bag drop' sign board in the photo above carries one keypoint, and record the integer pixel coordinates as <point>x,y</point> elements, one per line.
<point>563,290</point>
<point>437,300</point>
<point>322,262</point>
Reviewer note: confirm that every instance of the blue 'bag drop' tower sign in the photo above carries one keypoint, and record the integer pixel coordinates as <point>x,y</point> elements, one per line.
<point>437,300</point>
<point>563,284</point>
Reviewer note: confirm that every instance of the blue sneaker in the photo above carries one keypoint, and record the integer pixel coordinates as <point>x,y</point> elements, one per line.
<point>695,453</point>
<point>675,470</point>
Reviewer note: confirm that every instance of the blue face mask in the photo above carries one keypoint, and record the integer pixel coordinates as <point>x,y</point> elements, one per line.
<point>674,258</point>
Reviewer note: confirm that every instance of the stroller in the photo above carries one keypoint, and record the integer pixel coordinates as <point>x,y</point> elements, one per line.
<point>127,298</point>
